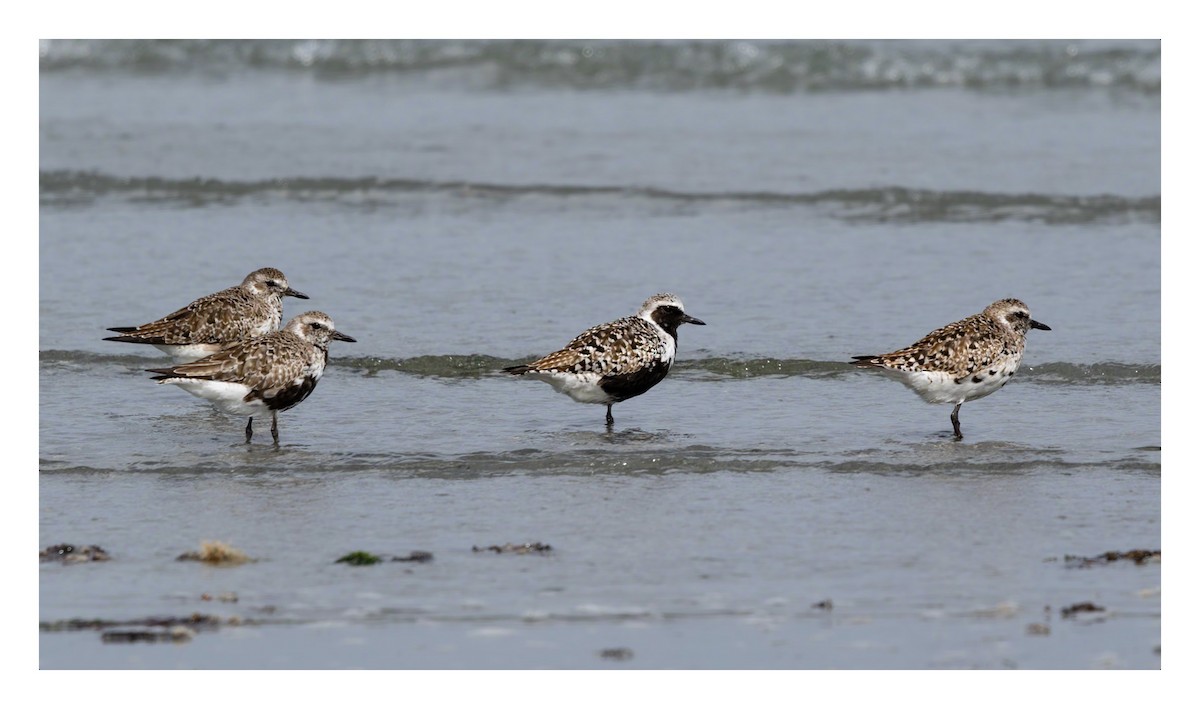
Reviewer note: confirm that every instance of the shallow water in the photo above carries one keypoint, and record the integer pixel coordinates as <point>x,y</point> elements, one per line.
<point>458,220</point>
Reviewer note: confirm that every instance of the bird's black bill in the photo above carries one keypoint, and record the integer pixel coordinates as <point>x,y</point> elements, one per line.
<point>692,320</point>
<point>295,294</point>
<point>1038,326</point>
<point>344,338</point>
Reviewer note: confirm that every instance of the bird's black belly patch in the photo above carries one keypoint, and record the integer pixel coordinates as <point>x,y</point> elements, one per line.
<point>288,396</point>
<point>626,386</point>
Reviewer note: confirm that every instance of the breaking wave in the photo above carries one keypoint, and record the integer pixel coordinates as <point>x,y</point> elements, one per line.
<point>783,67</point>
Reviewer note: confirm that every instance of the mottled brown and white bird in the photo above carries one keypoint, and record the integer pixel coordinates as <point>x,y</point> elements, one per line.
<point>203,326</point>
<point>271,373</point>
<point>617,360</point>
<point>964,360</point>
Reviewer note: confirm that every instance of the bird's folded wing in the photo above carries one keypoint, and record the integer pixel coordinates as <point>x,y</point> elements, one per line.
<point>256,363</point>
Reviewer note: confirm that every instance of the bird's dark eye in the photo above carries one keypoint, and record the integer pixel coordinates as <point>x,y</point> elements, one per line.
<point>317,326</point>
<point>272,283</point>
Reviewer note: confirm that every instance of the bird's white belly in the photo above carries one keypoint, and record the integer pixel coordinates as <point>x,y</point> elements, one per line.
<point>582,387</point>
<point>228,397</point>
<point>942,388</point>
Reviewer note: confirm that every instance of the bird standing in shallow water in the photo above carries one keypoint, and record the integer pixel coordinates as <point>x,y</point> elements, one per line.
<point>617,360</point>
<point>203,326</point>
<point>964,360</point>
<point>264,374</point>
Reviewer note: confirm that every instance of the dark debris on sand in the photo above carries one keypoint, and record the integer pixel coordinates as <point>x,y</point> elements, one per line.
<point>1137,556</point>
<point>366,558</point>
<point>531,548</point>
<point>154,629</point>
<point>71,554</point>
<point>418,557</point>
<point>195,620</point>
<point>1085,607</point>
<point>174,634</point>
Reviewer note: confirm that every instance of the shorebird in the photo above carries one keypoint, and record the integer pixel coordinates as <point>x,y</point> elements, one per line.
<point>617,360</point>
<point>203,326</point>
<point>965,360</point>
<point>271,373</point>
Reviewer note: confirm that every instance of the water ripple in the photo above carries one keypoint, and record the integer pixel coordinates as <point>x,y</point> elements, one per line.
<point>474,366</point>
<point>889,204</point>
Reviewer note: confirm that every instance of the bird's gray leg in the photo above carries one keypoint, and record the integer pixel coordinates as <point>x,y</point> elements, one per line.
<point>275,427</point>
<point>608,419</point>
<point>249,429</point>
<point>954,420</point>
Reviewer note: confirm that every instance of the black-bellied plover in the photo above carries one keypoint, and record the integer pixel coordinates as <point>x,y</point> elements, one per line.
<point>617,360</point>
<point>964,360</point>
<point>206,324</point>
<point>271,373</point>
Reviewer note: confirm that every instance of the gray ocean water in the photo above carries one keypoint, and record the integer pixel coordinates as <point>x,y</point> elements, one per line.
<point>458,206</point>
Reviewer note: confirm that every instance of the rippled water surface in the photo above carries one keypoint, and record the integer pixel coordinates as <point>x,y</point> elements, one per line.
<point>461,206</point>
